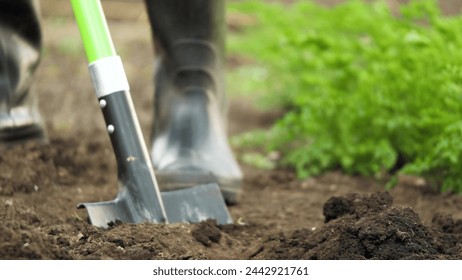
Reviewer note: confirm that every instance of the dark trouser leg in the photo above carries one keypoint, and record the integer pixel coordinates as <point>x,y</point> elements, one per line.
<point>20,44</point>
<point>189,141</point>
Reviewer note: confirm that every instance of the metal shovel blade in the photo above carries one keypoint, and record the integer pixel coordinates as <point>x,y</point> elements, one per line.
<point>190,205</point>
<point>196,204</point>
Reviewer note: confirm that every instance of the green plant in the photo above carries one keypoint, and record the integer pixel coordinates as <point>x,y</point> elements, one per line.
<point>364,90</point>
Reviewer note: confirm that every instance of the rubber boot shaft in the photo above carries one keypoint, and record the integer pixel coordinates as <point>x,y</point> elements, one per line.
<point>189,140</point>
<point>20,44</point>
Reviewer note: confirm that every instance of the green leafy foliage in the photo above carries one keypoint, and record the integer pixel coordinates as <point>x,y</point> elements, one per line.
<point>364,90</point>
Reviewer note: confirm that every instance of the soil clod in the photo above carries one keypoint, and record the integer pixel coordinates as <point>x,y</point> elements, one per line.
<point>207,232</point>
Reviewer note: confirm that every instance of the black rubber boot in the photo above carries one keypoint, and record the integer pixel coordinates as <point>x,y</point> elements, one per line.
<point>189,139</point>
<point>20,44</point>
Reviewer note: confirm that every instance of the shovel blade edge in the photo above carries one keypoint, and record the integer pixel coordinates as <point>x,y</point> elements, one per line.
<point>102,214</point>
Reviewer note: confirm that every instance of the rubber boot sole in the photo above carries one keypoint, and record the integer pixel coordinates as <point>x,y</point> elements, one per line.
<point>21,135</point>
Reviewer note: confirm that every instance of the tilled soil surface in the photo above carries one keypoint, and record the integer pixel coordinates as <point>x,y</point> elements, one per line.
<point>333,216</point>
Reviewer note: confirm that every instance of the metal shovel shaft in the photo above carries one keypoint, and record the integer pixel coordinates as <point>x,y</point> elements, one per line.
<point>135,173</point>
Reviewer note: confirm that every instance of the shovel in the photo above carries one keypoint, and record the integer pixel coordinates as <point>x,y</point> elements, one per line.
<point>139,199</point>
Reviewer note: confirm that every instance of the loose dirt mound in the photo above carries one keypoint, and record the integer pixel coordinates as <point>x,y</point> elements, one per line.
<point>368,227</point>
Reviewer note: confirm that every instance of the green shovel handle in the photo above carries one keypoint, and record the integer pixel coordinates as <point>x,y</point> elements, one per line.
<point>93,29</point>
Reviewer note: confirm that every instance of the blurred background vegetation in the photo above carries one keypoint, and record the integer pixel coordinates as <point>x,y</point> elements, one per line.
<point>366,87</point>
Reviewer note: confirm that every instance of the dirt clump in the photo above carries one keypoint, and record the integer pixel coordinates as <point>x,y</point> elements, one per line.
<point>357,205</point>
<point>207,232</point>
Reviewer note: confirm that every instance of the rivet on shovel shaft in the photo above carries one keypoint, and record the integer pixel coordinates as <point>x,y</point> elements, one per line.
<point>110,129</point>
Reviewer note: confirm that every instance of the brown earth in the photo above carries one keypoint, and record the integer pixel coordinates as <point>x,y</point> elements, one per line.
<point>333,216</point>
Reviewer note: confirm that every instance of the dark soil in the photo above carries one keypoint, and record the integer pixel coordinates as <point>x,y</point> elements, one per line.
<point>333,216</point>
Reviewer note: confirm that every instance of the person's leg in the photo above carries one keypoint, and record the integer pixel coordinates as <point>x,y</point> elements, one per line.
<point>189,140</point>
<point>20,44</point>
